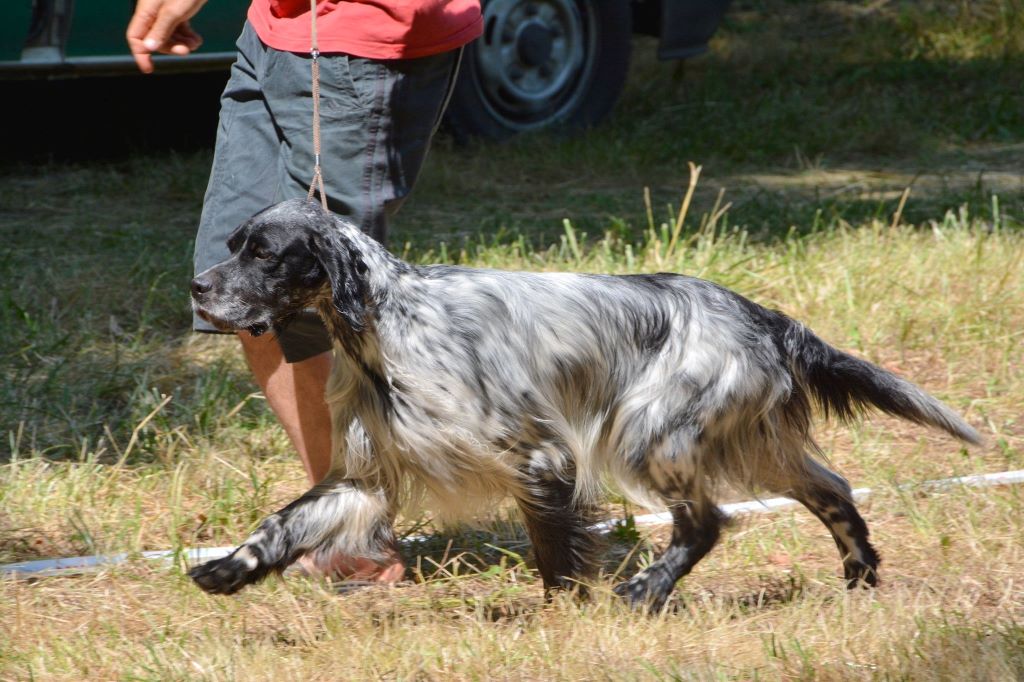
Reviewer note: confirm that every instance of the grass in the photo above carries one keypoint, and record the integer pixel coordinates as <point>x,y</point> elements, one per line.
<point>122,432</point>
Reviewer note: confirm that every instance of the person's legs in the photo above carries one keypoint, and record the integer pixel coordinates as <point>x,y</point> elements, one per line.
<point>245,178</point>
<point>295,392</point>
<point>378,121</point>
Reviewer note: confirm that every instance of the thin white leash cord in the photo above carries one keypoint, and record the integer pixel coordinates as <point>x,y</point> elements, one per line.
<point>314,65</point>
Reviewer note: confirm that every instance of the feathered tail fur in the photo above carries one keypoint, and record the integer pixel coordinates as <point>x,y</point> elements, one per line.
<point>843,385</point>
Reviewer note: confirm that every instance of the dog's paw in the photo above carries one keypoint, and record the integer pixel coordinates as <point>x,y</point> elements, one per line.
<point>230,574</point>
<point>649,589</point>
<point>858,574</point>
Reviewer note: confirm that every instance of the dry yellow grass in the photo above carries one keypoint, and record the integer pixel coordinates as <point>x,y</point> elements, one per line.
<point>767,603</point>
<point>939,303</point>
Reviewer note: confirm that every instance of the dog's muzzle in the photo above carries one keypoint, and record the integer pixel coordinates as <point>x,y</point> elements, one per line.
<point>201,287</point>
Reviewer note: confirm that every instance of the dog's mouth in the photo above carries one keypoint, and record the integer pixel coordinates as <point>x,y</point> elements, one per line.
<point>220,324</point>
<point>255,329</point>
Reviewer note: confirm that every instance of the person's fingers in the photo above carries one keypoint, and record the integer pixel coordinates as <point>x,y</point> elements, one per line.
<point>162,26</point>
<point>172,15</point>
<point>143,60</point>
<point>141,21</point>
<point>183,41</point>
<point>189,36</point>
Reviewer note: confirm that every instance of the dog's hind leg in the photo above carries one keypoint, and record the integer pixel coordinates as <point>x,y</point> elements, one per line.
<point>696,525</point>
<point>828,496</point>
<point>559,529</point>
<point>338,514</point>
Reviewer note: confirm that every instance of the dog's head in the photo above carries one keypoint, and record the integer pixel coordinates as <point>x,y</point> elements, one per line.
<point>283,259</point>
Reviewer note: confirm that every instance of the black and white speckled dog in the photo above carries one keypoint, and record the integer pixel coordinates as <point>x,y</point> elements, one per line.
<point>462,386</point>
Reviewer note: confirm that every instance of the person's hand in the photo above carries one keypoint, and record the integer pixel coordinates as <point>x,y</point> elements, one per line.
<point>162,26</point>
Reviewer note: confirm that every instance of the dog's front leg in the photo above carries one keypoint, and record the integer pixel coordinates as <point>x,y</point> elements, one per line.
<point>339,514</point>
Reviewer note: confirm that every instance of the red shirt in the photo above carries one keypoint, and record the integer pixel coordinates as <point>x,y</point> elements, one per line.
<point>400,29</point>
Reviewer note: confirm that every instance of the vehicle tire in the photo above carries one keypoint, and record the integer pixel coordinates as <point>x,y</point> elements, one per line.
<point>541,63</point>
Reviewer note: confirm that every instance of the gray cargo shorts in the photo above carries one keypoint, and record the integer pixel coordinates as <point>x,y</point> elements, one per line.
<point>376,117</point>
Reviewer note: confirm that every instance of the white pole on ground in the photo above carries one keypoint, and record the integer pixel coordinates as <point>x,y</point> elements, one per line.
<point>86,564</point>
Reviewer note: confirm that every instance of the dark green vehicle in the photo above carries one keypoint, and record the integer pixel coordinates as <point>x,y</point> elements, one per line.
<point>539,62</point>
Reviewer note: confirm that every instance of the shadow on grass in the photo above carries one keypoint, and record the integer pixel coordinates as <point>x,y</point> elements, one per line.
<point>489,574</point>
<point>503,542</point>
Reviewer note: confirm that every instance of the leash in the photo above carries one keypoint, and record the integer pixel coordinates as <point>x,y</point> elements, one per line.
<point>314,66</point>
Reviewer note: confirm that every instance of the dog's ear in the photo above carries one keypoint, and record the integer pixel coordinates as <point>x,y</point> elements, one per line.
<point>237,236</point>
<point>346,273</point>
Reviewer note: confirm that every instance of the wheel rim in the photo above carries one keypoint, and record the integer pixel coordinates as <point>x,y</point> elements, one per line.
<point>535,59</point>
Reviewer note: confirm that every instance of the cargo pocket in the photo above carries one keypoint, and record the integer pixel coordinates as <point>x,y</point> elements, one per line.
<point>350,86</point>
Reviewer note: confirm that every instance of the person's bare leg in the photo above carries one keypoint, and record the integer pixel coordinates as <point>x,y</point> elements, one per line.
<point>295,392</point>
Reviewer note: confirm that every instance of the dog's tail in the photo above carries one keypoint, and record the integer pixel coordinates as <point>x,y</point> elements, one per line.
<point>845,386</point>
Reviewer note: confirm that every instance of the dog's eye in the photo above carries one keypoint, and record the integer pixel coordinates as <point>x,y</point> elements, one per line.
<point>260,253</point>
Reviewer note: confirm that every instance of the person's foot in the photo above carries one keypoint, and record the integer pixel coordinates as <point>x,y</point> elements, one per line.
<point>340,567</point>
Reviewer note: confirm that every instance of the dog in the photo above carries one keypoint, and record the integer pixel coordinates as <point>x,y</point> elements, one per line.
<point>454,387</point>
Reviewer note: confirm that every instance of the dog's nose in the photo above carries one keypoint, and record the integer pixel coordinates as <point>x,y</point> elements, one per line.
<point>200,286</point>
